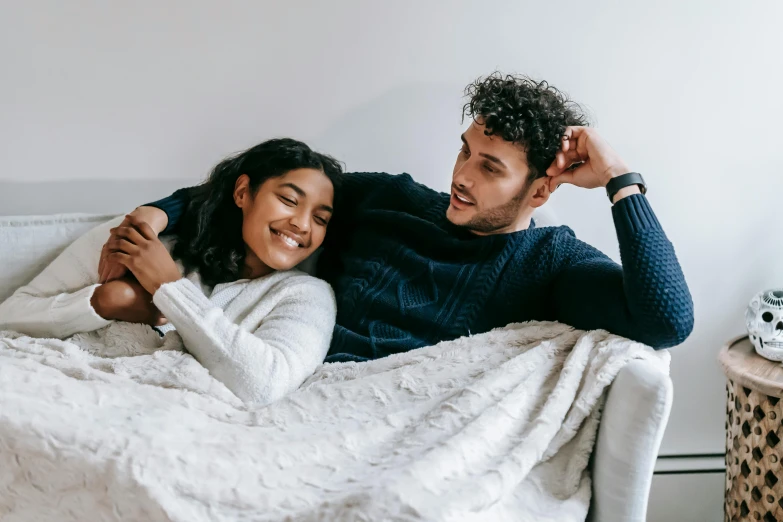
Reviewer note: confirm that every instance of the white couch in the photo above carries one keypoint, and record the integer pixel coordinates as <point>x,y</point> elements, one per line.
<point>634,418</point>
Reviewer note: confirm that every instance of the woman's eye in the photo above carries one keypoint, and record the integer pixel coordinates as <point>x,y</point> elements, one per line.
<point>287,201</point>
<point>321,221</point>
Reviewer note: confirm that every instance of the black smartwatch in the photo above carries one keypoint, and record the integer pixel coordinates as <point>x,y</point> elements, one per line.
<point>615,185</point>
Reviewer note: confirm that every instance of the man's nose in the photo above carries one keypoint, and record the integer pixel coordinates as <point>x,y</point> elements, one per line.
<point>463,177</point>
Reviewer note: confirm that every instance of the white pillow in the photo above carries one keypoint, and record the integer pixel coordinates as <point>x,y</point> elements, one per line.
<point>29,243</point>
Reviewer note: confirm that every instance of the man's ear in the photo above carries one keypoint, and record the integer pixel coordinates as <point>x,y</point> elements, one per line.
<point>242,191</point>
<point>539,192</point>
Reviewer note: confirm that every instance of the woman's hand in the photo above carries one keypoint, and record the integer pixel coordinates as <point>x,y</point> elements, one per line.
<point>126,300</point>
<point>109,270</point>
<point>137,248</point>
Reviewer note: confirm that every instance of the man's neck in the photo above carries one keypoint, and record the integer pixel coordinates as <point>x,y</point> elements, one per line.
<point>522,223</point>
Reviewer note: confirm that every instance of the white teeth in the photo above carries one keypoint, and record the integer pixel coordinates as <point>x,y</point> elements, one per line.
<point>462,199</point>
<point>289,241</point>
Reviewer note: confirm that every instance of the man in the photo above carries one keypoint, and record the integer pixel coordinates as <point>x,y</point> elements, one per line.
<point>411,267</point>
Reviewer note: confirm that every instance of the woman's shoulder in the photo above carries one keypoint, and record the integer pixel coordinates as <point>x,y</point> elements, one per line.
<point>306,299</point>
<point>296,282</point>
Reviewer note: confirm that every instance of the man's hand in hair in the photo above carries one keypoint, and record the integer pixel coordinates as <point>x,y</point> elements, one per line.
<point>586,160</point>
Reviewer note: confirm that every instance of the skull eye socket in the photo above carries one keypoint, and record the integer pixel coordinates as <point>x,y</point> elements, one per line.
<point>767,317</point>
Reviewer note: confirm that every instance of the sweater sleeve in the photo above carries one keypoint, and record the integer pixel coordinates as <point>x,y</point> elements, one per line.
<point>646,299</point>
<point>261,366</point>
<point>173,205</point>
<point>57,302</point>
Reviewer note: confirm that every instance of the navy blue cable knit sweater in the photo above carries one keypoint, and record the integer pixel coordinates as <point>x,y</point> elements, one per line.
<point>405,277</point>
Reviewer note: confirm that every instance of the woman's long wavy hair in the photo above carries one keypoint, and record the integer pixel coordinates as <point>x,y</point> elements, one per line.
<point>209,236</point>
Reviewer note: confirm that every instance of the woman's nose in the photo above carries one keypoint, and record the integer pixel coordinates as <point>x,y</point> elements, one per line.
<point>301,222</point>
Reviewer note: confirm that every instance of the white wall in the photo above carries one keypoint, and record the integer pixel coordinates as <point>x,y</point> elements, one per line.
<point>689,92</point>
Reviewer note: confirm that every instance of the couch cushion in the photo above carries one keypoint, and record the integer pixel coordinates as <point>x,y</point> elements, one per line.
<point>29,243</point>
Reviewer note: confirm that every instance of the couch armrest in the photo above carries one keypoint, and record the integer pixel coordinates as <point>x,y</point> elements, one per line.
<point>634,419</point>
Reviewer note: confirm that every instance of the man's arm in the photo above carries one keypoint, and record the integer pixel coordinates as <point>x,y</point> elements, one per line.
<point>162,215</point>
<point>645,299</point>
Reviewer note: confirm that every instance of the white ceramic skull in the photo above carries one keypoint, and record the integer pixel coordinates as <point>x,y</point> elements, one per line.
<point>764,320</point>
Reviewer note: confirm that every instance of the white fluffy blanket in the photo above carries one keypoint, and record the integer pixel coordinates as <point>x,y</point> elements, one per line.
<point>498,426</point>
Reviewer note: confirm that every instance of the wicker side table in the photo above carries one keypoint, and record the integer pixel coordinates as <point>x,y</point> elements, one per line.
<point>754,434</point>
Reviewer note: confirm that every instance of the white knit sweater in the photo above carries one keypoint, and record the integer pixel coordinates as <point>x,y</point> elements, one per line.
<point>262,338</point>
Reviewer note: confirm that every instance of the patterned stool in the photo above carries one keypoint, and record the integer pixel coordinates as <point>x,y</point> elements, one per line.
<point>754,449</point>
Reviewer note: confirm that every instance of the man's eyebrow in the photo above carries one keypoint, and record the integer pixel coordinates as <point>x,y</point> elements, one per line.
<point>303,194</point>
<point>493,159</point>
<point>490,157</point>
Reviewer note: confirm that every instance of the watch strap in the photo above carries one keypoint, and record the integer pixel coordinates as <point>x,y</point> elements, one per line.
<point>618,183</point>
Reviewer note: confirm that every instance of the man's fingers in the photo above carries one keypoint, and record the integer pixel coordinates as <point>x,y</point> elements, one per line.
<point>121,258</point>
<point>563,160</point>
<point>143,227</point>
<point>102,265</point>
<point>581,146</point>
<point>556,181</point>
<point>122,245</point>
<point>147,231</point>
<point>116,271</point>
<point>575,139</point>
<point>129,233</point>
<point>575,131</point>
<point>554,170</point>
<point>105,268</point>
<point>566,159</point>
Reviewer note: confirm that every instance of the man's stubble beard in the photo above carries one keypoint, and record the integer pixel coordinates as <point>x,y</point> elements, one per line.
<point>498,218</point>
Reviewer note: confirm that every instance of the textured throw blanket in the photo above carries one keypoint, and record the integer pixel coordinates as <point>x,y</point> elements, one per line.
<point>498,426</point>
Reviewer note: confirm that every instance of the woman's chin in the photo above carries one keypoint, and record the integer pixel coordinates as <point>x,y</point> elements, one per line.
<point>264,260</point>
<point>281,267</point>
<point>280,261</point>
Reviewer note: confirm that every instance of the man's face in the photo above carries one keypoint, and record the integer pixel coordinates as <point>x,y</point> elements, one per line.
<point>489,183</point>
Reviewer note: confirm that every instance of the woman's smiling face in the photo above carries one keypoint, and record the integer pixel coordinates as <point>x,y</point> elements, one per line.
<point>285,220</point>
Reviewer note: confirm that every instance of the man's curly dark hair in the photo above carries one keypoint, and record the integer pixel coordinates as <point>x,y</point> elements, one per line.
<point>523,111</point>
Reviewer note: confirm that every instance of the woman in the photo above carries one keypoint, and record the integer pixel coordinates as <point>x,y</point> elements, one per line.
<point>255,324</point>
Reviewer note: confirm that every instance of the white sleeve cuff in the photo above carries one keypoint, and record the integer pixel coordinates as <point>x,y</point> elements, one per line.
<point>181,300</point>
<point>74,312</point>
